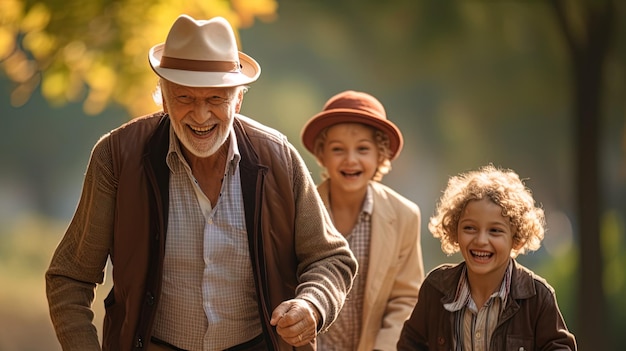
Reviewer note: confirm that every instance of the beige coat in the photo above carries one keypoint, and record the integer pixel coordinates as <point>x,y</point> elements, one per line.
<point>396,268</point>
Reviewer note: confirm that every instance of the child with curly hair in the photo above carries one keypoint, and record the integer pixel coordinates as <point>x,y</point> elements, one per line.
<point>489,301</point>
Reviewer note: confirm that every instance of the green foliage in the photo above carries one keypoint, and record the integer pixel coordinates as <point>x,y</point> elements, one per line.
<point>561,272</point>
<point>614,257</point>
<point>26,245</point>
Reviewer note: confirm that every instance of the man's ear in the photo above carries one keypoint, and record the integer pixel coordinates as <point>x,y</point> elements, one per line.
<point>239,101</point>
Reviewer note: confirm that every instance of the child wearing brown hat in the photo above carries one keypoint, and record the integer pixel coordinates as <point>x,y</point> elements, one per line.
<point>354,142</point>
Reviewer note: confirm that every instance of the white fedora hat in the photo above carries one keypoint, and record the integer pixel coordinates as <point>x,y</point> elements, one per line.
<point>199,53</point>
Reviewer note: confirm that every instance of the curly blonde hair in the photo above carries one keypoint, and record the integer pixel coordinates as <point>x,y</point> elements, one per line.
<point>502,186</point>
<point>382,143</point>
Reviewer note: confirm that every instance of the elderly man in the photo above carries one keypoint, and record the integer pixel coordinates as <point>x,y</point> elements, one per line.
<point>217,237</point>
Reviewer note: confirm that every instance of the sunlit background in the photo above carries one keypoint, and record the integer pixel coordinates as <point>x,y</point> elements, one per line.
<point>468,83</point>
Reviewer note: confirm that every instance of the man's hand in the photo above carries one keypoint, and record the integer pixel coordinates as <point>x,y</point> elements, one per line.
<point>296,321</point>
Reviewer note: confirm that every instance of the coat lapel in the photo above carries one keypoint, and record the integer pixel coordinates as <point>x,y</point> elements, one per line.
<point>382,246</point>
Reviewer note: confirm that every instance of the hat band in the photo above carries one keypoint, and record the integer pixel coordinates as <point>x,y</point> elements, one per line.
<point>199,65</point>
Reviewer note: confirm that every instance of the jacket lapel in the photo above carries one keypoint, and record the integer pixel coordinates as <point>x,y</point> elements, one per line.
<point>382,245</point>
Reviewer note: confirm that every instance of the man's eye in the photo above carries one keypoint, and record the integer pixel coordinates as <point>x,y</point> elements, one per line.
<point>184,99</point>
<point>216,100</point>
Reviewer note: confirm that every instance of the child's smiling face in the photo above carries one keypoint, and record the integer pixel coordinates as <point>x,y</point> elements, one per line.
<point>350,155</point>
<point>485,239</point>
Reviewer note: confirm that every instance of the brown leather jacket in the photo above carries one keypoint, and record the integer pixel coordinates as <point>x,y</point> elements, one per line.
<point>293,245</point>
<point>531,319</point>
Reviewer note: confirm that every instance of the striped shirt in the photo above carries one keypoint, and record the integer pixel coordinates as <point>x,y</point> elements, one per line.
<point>473,327</point>
<point>345,332</point>
<point>208,299</point>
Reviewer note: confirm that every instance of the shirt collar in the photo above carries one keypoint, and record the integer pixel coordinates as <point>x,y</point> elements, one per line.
<point>368,202</point>
<point>463,295</point>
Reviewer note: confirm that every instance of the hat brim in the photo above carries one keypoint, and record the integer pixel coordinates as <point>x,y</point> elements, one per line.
<point>331,117</point>
<point>250,71</point>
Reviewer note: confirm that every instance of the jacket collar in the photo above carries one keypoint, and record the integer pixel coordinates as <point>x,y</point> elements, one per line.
<point>446,278</point>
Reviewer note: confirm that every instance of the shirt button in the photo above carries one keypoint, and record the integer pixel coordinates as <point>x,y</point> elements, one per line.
<point>477,335</point>
<point>150,299</point>
<point>210,220</point>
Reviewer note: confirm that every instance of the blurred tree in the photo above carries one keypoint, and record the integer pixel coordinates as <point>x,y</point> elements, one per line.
<point>588,29</point>
<point>95,51</point>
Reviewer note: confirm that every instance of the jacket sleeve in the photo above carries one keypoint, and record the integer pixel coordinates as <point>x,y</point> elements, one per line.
<point>326,265</point>
<point>405,289</point>
<point>552,333</point>
<point>79,262</point>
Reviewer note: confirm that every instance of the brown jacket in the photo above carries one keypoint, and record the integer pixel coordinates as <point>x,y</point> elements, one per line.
<point>531,319</point>
<point>293,246</point>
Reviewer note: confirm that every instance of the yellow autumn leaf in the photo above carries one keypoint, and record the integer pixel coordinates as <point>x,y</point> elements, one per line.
<point>40,44</point>
<point>36,19</point>
<point>54,85</point>
<point>7,42</point>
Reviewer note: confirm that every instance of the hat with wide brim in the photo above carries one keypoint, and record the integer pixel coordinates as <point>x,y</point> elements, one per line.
<point>202,53</point>
<point>352,107</point>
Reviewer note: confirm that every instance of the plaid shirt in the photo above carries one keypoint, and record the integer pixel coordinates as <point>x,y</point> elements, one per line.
<point>473,327</point>
<point>208,300</point>
<point>344,334</point>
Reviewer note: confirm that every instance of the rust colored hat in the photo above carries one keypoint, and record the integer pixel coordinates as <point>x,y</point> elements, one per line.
<point>353,107</point>
<point>202,53</point>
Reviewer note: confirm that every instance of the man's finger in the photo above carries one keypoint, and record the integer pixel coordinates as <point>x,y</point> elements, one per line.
<point>279,312</point>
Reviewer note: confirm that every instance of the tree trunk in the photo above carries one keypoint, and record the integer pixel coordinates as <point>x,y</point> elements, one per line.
<point>588,54</point>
